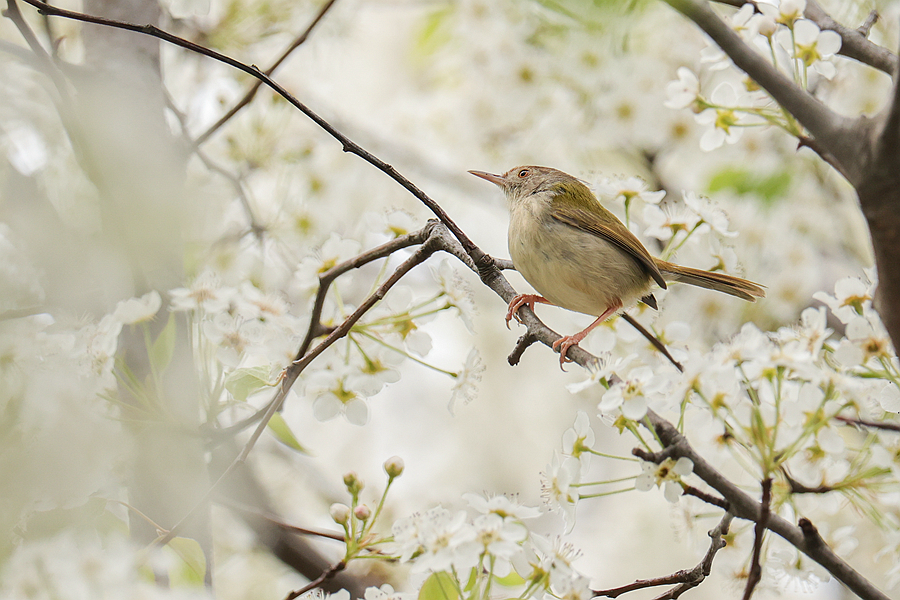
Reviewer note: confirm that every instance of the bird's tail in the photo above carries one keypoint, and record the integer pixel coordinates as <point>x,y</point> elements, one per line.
<point>720,282</point>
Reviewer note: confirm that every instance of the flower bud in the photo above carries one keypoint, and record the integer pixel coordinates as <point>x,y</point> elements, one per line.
<point>340,513</point>
<point>394,466</point>
<point>353,482</point>
<point>362,512</point>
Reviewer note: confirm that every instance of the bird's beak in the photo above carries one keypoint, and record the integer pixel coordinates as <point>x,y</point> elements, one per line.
<point>495,179</point>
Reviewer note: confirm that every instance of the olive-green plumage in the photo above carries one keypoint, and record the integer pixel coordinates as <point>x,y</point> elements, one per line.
<point>579,256</point>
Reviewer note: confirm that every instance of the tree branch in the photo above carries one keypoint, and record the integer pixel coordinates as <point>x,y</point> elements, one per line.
<point>688,578</point>
<point>758,536</point>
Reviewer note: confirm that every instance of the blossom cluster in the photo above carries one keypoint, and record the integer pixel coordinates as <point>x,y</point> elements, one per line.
<point>779,32</point>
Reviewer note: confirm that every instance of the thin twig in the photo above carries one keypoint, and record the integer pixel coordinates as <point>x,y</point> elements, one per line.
<point>870,424</point>
<point>249,95</point>
<point>275,519</point>
<point>654,341</point>
<point>687,578</point>
<point>690,490</point>
<point>867,25</point>
<point>328,574</point>
<point>758,535</point>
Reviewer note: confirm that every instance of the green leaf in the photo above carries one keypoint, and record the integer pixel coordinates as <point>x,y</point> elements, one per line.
<point>743,181</point>
<point>246,381</point>
<point>162,349</point>
<point>279,427</point>
<point>439,586</point>
<point>434,32</point>
<point>190,567</point>
<point>513,579</point>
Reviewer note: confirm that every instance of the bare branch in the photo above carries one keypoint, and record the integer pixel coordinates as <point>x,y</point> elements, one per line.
<point>836,134</point>
<point>708,498</point>
<point>870,424</point>
<point>688,578</point>
<point>276,520</point>
<point>251,93</point>
<point>521,345</point>
<point>758,536</point>
<point>867,25</point>
<point>331,572</point>
<point>654,341</point>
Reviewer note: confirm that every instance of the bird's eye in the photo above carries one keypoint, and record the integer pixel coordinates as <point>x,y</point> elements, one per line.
<point>524,173</point>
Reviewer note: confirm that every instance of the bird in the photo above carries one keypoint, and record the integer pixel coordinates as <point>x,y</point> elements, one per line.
<point>579,256</point>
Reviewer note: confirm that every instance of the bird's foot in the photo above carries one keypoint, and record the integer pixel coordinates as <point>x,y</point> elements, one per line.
<point>566,342</point>
<point>520,301</point>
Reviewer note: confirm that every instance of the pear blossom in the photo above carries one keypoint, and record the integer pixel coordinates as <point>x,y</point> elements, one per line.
<point>556,481</point>
<point>506,507</point>
<point>206,294</point>
<point>851,295</point>
<point>684,92</point>
<point>465,387</point>
<point>811,46</point>
<point>724,118</point>
<point>667,475</point>
<point>785,12</point>
<point>631,394</point>
<point>708,212</point>
<point>627,189</point>
<point>137,310</point>
<point>578,440</point>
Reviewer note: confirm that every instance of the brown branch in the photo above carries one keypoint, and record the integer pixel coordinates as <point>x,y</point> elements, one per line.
<point>687,578</point>
<point>690,490</point>
<point>316,328</point>
<point>867,25</point>
<point>276,520</point>
<point>870,424</point>
<point>521,345</point>
<point>251,93</point>
<point>745,507</point>
<point>331,572</point>
<point>654,340</point>
<point>758,535</point>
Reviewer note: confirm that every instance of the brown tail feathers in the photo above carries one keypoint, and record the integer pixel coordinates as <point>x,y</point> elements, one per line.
<point>720,282</point>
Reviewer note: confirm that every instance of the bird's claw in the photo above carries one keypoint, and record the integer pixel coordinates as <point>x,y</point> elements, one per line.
<point>563,344</point>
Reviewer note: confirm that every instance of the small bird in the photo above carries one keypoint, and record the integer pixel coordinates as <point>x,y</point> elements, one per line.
<point>580,256</point>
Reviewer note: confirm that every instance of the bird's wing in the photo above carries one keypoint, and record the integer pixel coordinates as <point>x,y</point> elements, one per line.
<point>616,233</point>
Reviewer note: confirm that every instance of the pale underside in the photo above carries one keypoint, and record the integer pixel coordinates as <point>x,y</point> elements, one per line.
<point>577,270</point>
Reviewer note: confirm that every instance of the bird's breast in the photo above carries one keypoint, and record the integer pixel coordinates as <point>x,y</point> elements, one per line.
<point>569,267</point>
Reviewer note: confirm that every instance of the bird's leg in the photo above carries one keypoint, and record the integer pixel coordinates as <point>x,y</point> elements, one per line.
<point>566,342</point>
<point>521,300</point>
